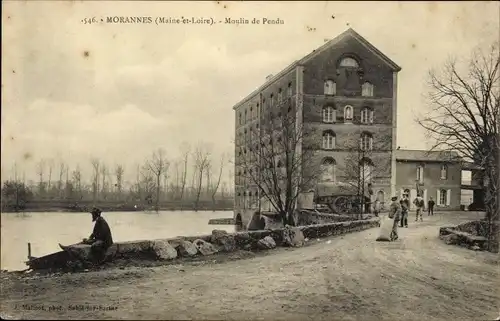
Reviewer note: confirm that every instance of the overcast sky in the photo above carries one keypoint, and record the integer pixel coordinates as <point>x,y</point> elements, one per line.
<point>142,87</point>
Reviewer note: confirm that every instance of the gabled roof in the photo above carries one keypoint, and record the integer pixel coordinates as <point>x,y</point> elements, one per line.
<point>348,33</point>
<point>427,155</point>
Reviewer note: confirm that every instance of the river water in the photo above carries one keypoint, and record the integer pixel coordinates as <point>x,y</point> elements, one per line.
<point>45,230</point>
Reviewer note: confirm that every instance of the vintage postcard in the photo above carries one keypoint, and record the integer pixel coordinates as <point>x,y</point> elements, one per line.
<point>250,160</point>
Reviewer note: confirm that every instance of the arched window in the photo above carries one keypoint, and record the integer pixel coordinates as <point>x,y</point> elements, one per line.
<point>280,95</point>
<point>328,168</point>
<point>330,88</point>
<point>328,140</point>
<point>443,197</point>
<point>367,89</point>
<point>329,114</point>
<point>444,172</point>
<point>366,170</point>
<point>349,63</point>
<point>366,142</point>
<point>367,115</point>
<point>348,113</point>
<point>380,196</point>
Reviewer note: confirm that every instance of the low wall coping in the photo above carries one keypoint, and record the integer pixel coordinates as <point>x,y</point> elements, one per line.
<point>207,236</point>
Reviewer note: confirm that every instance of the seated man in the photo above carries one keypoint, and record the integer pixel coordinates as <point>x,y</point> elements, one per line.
<point>100,240</point>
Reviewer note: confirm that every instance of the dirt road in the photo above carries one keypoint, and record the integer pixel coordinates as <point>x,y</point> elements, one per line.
<point>352,277</point>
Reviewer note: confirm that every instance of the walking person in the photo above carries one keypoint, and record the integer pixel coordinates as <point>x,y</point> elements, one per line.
<point>395,214</point>
<point>430,207</point>
<point>420,204</point>
<point>405,207</point>
<point>376,207</point>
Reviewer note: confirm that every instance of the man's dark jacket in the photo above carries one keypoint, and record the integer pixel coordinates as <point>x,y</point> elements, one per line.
<point>102,232</point>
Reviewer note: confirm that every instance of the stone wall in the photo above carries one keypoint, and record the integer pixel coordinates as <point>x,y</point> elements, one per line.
<point>472,235</point>
<point>307,217</point>
<point>247,240</point>
<point>202,245</point>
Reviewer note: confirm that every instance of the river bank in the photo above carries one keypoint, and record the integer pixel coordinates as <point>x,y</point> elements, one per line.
<point>346,277</point>
<point>117,206</point>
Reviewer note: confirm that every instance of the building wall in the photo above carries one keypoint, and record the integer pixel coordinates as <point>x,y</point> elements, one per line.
<point>308,80</point>
<point>247,134</point>
<point>324,66</point>
<point>406,175</point>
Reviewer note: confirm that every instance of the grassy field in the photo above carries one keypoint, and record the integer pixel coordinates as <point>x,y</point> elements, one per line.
<point>351,277</point>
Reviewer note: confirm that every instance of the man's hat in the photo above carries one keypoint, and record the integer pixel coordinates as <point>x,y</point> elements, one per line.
<point>394,198</point>
<point>96,211</point>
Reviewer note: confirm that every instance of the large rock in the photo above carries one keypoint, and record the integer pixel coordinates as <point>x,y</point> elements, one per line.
<point>266,243</point>
<point>80,252</point>
<point>186,248</point>
<point>225,241</point>
<point>134,247</point>
<point>83,252</point>
<point>293,236</point>
<point>451,239</point>
<point>204,247</point>
<point>164,250</point>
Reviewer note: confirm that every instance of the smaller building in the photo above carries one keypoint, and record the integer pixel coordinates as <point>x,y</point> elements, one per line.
<point>432,174</point>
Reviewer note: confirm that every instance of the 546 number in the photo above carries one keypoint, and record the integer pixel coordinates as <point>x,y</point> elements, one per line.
<point>89,21</point>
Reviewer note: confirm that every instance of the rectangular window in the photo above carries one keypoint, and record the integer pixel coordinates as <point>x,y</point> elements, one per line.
<point>329,114</point>
<point>367,116</point>
<point>420,174</point>
<point>443,197</point>
<point>367,90</point>
<point>444,172</point>
<point>289,90</point>
<point>329,88</point>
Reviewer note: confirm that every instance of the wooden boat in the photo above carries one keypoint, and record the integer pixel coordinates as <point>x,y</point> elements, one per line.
<point>51,261</point>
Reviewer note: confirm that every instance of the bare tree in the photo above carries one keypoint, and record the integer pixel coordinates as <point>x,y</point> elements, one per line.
<point>50,164</point>
<point>215,187</point>
<point>146,183</point>
<point>175,185</point>
<point>119,170</point>
<point>95,179</point>
<point>364,165</point>
<point>201,157</point>
<point>158,165</point>
<point>77,179</point>
<point>62,170</point>
<point>194,176</point>
<point>273,161</point>
<point>465,118</point>
<point>208,175</point>
<point>40,171</point>
<point>186,150</point>
<point>165,183</point>
<point>104,174</point>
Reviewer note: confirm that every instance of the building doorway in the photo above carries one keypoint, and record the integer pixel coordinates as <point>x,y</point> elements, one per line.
<point>238,222</point>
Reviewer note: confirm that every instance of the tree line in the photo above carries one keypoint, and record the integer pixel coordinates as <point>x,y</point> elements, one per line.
<point>194,180</point>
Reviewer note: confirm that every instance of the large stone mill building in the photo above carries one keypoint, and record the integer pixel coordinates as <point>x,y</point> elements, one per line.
<point>346,90</point>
